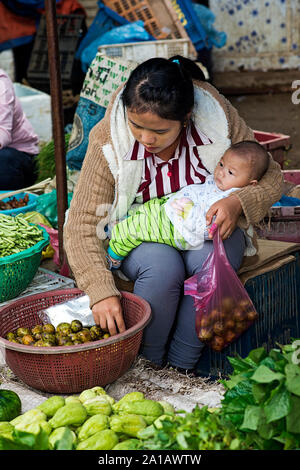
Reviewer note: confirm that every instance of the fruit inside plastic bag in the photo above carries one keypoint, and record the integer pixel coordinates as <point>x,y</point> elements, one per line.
<point>224,309</point>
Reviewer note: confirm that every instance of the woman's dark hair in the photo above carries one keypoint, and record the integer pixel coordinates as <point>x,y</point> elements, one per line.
<point>163,87</point>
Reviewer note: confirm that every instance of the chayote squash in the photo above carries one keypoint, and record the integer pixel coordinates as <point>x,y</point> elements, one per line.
<point>148,409</point>
<point>129,424</point>
<point>98,405</point>
<point>100,391</point>
<point>10,405</point>
<point>87,395</point>
<point>73,414</point>
<point>6,429</point>
<point>31,416</point>
<point>50,406</point>
<point>168,408</point>
<point>102,440</point>
<point>72,399</point>
<point>93,393</point>
<point>92,425</point>
<point>34,427</point>
<point>129,397</point>
<point>129,444</point>
<point>58,433</point>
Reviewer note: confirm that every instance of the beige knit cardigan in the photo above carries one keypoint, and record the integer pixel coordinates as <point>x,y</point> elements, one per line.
<point>108,184</point>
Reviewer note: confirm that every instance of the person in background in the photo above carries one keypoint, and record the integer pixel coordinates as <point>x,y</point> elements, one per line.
<point>18,140</point>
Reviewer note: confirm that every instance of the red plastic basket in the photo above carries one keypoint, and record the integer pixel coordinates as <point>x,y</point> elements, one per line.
<point>71,369</point>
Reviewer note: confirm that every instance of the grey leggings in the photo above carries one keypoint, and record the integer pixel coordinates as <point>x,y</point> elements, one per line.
<point>159,272</point>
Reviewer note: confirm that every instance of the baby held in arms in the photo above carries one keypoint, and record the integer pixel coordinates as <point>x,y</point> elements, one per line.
<point>179,219</point>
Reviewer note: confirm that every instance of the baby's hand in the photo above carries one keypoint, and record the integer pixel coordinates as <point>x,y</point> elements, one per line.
<point>182,206</point>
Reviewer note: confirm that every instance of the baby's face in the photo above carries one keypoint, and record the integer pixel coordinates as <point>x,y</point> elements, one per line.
<point>232,171</point>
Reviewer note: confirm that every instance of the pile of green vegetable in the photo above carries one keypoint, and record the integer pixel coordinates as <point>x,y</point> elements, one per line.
<point>262,398</point>
<point>260,410</point>
<point>46,159</point>
<point>16,234</point>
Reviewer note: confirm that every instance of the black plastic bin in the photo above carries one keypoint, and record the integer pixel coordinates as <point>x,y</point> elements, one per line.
<point>71,30</point>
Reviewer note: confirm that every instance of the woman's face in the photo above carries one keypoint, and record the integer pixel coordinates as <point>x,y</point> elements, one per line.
<point>154,132</point>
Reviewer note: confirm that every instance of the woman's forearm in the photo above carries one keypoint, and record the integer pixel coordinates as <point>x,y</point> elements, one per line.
<point>82,239</point>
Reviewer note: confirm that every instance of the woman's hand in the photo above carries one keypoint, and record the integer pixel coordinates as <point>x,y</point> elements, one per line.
<point>226,212</point>
<point>108,315</point>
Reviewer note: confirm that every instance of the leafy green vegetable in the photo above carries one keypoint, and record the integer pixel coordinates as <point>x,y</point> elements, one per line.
<point>46,159</point>
<point>262,398</point>
<point>197,430</point>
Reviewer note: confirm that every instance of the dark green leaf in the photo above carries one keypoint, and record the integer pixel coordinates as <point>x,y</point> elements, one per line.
<point>289,441</point>
<point>269,362</point>
<point>25,441</point>
<point>257,355</point>
<point>293,418</point>
<point>242,388</point>
<point>264,429</point>
<point>278,406</point>
<point>264,374</point>
<point>239,364</point>
<point>260,392</point>
<point>293,378</point>
<point>234,380</point>
<point>251,418</point>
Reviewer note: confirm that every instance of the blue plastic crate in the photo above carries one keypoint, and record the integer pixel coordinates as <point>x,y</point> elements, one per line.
<point>191,23</point>
<point>105,20</point>
<point>276,297</point>
<point>29,207</point>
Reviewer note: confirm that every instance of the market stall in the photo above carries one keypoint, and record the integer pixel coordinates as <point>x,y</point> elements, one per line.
<point>68,385</point>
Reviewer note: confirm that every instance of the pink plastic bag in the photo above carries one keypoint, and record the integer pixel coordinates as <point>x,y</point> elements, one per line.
<point>223,307</point>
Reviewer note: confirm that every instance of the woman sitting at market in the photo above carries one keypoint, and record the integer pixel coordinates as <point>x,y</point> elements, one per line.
<point>18,141</point>
<point>161,132</point>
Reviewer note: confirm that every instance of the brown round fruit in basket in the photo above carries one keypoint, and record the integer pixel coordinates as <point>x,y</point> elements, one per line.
<point>11,336</point>
<point>49,328</point>
<point>217,343</point>
<point>50,337</point>
<point>39,343</point>
<point>37,330</point>
<point>28,340</point>
<point>73,337</point>
<point>96,332</point>
<point>22,331</point>
<point>84,335</point>
<point>76,326</point>
<point>63,329</point>
<point>205,334</point>
<point>62,340</point>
